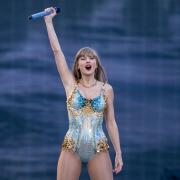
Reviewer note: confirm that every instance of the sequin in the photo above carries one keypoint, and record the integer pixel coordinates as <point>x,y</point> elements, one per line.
<point>102,146</point>
<point>68,143</point>
<point>85,134</point>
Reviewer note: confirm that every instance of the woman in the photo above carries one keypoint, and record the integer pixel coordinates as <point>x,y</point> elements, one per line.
<point>89,100</point>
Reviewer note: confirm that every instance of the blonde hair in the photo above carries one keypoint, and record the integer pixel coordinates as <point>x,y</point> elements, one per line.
<point>100,73</point>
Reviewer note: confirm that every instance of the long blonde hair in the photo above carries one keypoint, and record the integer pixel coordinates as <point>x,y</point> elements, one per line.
<point>100,73</point>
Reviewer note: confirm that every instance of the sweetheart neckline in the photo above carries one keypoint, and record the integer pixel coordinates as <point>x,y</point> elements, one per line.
<point>91,99</point>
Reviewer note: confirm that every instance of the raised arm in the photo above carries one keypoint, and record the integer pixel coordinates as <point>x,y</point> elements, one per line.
<point>65,73</point>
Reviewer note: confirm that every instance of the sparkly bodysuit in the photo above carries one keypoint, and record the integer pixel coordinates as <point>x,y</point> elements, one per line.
<point>85,135</point>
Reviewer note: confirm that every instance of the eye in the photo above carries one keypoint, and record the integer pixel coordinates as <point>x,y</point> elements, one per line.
<point>91,58</point>
<point>82,58</point>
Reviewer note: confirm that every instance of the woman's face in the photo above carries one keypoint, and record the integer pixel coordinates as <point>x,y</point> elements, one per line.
<point>87,65</point>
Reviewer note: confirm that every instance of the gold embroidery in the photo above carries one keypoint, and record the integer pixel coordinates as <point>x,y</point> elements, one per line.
<point>105,97</point>
<point>102,146</point>
<point>87,108</point>
<point>68,143</point>
<point>69,104</point>
<point>69,99</point>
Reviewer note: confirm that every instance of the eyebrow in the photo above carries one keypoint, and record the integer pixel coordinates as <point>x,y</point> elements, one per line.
<point>91,56</point>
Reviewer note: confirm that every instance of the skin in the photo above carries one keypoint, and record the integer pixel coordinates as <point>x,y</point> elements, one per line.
<point>99,166</point>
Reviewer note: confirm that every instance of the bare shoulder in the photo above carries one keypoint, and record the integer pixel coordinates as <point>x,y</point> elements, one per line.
<point>108,87</point>
<point>109,90</point>
<point>105,84</point>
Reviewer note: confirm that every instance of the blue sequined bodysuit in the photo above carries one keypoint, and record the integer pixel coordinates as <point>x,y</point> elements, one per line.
<point>85,135</point>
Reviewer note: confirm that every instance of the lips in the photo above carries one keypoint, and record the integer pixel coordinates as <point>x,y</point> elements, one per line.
<point>88,67</point>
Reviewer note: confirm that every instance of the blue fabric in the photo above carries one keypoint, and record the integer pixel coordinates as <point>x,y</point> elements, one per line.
<point>85,123</point>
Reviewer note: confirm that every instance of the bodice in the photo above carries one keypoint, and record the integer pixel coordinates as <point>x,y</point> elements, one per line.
<point>85,131</point>
<point>80,107</point>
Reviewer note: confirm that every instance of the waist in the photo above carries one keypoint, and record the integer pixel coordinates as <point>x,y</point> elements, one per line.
<point>86,139</point>
<point>78,114</point>
<point>86,133</point>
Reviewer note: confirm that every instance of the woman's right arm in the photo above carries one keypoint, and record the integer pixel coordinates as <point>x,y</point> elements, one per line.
<point>65,74</point>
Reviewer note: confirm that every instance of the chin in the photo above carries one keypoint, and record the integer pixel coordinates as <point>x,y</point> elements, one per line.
<point>88,73</point>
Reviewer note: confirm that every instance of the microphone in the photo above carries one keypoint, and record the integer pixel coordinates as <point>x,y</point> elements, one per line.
<point>42,14</point>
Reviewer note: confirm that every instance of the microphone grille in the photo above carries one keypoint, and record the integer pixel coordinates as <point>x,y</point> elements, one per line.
<point>57,9</point>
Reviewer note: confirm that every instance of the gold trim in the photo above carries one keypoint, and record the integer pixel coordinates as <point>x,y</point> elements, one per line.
<point>68,143</point>
<point>102,146</point>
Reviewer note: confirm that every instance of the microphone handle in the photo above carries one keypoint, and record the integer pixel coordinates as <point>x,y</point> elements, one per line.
<point>38,15</point>
<point>42,14</point>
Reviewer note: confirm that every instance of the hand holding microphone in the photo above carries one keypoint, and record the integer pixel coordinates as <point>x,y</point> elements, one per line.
<point>49,12</point>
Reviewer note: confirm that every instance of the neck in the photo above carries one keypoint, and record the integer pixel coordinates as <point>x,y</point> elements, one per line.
<point>87,80</point>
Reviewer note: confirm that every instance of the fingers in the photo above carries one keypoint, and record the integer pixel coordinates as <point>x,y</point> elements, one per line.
<point>118,167</point>
<point>51,11</point>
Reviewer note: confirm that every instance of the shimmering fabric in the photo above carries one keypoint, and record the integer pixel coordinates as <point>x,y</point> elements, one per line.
<point>85,134</point>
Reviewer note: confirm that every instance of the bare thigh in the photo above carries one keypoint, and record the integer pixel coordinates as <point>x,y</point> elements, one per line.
<point>69,166</point>
<point>100,167</point>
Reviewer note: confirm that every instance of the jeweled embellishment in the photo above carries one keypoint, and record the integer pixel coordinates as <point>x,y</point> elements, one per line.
<point>68,143</point>
<point>102,146</point>
<point>87,108</point>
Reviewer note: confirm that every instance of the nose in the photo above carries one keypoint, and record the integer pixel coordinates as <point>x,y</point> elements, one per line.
<point>87,59</point>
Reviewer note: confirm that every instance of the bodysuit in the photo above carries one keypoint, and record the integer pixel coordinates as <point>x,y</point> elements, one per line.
<point>85,135</point>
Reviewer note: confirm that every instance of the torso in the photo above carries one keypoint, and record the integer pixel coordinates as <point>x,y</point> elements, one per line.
<point>88,93</point>
<point>86,113</point>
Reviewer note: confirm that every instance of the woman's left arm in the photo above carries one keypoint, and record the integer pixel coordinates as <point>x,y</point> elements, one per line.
<point>112,128</point>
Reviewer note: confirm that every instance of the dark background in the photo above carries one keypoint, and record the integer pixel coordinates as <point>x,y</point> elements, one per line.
<point>139,45</point>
